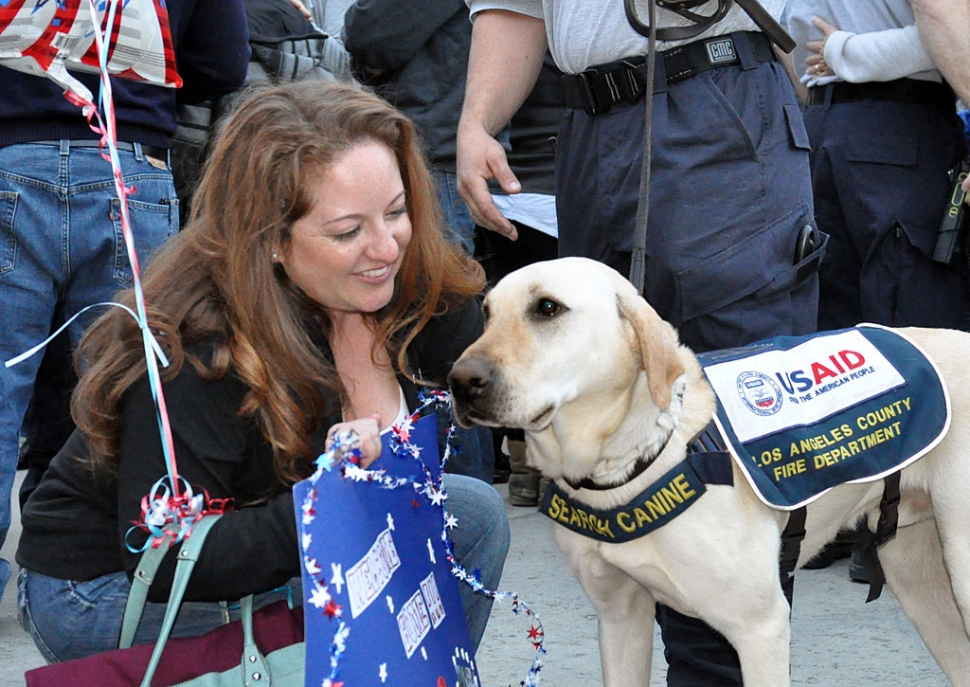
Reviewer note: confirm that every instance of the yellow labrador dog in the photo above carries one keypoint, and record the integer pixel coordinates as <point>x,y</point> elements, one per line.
<point>574,356</point>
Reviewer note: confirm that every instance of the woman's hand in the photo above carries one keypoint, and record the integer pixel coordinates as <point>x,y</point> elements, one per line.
<point>817,66</point>
<point>368,430</point>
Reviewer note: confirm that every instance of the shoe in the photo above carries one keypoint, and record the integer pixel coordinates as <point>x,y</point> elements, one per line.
<point>830,553</point>
<point>858,572</point>
<point>502,470</point>
<point>543,483</point>
<point>524,489</point>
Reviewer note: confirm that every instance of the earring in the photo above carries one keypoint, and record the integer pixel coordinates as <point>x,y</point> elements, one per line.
<point>276,256</point>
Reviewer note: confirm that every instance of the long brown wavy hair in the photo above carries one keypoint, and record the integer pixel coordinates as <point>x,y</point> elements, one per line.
<point>217,281</point>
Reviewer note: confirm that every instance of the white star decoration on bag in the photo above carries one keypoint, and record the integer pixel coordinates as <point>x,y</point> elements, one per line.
<point>337,577</point>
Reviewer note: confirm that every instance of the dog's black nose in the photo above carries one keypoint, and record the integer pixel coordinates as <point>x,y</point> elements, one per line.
<point>469,378</point>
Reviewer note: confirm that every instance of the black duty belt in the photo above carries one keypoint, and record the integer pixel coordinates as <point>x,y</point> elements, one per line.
<point>148,150</point>
<point>904,90</point>
<point>598,88</point>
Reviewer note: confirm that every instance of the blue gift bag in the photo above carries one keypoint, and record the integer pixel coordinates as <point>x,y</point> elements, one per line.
<point>376,565</point>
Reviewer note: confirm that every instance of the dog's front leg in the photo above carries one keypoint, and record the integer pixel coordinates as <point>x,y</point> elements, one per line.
<point>625,612</point>
<point>626,637</point>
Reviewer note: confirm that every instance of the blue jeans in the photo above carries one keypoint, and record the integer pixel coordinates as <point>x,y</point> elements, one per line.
<point>457,217</point>
<point>61,241</point>
<point>69,619</point>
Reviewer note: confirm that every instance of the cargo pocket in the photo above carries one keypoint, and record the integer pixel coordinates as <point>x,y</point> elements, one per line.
<point>797,134</point>
<point>755,289</point>
<point>902,286</point>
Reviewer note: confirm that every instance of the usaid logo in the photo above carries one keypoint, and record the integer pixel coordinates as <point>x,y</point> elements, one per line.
<point>759,392</point>
<point>721,51</point>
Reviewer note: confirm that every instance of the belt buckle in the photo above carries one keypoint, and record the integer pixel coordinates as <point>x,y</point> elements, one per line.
<point>589,95</point>
<point>634,88</point>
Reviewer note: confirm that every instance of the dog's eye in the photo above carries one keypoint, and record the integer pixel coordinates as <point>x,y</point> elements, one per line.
<point>547,308</point>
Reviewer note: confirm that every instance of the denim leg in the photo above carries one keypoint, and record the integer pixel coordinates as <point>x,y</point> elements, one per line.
<point>28,260</point>
<point>69,619</point>
<point>479,542</point>
<point>456,214</point>
<point>61,240</point>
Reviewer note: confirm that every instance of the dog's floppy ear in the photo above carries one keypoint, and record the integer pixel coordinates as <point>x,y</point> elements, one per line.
<point>658,346</point>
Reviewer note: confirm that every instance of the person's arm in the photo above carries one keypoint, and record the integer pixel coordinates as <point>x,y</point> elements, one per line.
<point>874,56</point>
<point>213,50</point>
<point>253,548</point>
<point>386,34</point>
<point>506,55</point>
<point>944,27</point>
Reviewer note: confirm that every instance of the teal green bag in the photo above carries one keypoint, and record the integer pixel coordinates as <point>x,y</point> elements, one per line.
<point>281,668</point>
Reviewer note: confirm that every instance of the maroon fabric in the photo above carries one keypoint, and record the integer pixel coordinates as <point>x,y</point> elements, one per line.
<point>274,626</point>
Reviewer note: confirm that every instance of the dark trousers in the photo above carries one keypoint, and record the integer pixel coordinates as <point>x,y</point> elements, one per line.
<point>879,171</point>
<point>730,193</point>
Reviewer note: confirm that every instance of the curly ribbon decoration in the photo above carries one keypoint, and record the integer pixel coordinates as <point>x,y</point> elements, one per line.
<point>181,508</point>
<point>344,455</point>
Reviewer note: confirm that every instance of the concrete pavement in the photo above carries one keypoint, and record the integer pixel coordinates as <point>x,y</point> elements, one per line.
<point>837,638</point>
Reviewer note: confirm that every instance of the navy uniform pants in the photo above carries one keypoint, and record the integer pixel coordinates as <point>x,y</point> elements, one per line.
<point>879,170</point>
<point>730,194</point>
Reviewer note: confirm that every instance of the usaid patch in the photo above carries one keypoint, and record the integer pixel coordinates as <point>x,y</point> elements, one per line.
<point>800,415</point>
<point>771,391</point>
<point>719,52</point>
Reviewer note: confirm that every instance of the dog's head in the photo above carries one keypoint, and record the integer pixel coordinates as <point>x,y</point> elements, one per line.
<point>569,347</point>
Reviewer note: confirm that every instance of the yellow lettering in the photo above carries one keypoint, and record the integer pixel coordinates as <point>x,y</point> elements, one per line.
<point>623,520</point>
<point>564,513</point>
<point>683,486</point>
<point>672,495</point>
<point>554,507</point>
<point>641,516</point>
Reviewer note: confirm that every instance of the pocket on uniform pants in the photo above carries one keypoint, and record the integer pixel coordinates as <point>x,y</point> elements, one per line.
<point>754,289</point>
<point>902,286</point>
<point>797,133</point>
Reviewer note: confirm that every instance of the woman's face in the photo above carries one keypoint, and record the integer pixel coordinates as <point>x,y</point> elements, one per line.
<point>347,250</point>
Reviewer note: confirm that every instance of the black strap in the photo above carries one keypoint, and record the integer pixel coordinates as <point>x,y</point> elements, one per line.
<point>643,462</point>
<point>674,33</point>
<point>791,546</point>
<point>885,531</point>
<point>901,90</point>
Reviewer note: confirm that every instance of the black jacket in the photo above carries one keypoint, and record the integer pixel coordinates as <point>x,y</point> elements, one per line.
<point>75,523</point>
<point>420,48</point>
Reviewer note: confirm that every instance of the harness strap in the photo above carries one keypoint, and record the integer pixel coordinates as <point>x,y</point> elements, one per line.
<point>885,531</point>
<point>791,546</point>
